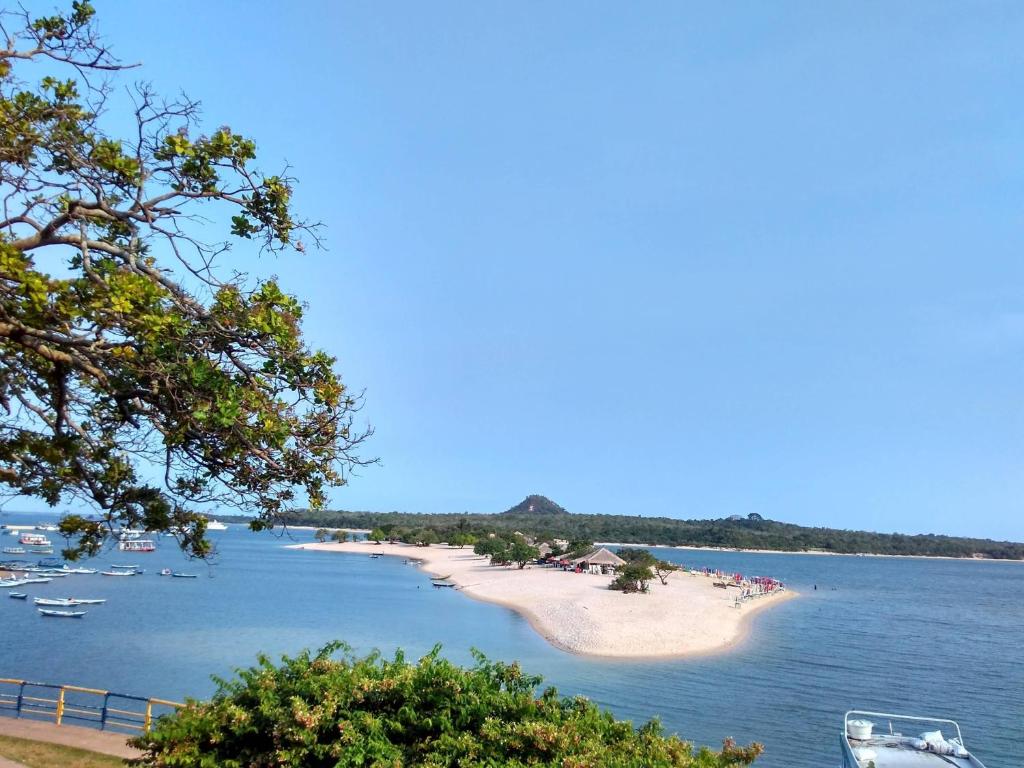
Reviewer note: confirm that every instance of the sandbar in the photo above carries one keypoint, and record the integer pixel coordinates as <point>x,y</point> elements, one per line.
<point>578,613</point>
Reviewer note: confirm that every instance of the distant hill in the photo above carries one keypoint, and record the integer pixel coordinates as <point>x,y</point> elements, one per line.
<point>535,505</point>
<point>540,517</point>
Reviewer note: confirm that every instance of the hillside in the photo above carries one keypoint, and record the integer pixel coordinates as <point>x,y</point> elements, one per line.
<point>540,517</point>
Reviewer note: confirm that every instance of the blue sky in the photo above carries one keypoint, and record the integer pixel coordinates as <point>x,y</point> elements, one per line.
<point>672,259</point>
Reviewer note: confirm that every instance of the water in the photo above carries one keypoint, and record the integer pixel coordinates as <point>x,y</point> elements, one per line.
<point>931,637</point>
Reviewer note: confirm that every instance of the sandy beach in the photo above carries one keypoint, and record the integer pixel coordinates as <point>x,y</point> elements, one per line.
<point>578,613</point>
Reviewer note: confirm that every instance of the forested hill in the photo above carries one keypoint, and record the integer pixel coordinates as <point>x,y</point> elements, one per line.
<point>547,520</point>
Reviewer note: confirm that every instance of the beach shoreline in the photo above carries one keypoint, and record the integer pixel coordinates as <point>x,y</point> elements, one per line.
<point>577,613</point>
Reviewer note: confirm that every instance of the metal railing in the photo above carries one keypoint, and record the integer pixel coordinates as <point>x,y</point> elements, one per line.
<point>81,706</point>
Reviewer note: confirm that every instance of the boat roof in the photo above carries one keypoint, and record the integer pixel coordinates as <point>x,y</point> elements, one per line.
<point>897,749</point>
<point>897,752</point>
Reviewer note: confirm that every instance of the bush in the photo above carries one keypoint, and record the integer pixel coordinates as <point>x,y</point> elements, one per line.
<point>317,711</point>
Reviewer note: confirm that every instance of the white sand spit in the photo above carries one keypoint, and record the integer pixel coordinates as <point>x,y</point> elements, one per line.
<point>578,613</point>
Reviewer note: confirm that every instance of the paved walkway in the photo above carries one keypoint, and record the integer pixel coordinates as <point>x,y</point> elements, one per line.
<point>106,742</point>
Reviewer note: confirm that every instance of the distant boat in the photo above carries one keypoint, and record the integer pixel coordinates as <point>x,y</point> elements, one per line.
<point>66,602</point>
<point>886,749</point>
<point>38,580</point>
<point>117,573</point>
<point>166,571</point>
<point>374,556</point>
<point>62,614</point>
<point>131,567</point>
<point>79,570</point>
<point>440,584</point>
<point>215,525</point>
<point>14,550</point>
<point>17,595</point>
<point>11,583</point>
<point>136,545</point>
<point>184,576</point>
<point>34,540</point>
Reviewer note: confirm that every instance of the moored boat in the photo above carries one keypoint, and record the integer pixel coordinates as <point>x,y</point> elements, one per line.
<point>215,525</point>
<point>66,602</point>
<point>12,582</point>
<point>117,573</point>
<point>38,580</point>
<point>177,575</point>
<point>14,550</point>
<point>34,540</point>
<point>61,614</point>
<point>17,595</point>
<point>137,545</point>
<point>865,747</point>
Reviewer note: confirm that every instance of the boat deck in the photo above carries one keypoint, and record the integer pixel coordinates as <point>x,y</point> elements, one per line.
<point>897,752</point>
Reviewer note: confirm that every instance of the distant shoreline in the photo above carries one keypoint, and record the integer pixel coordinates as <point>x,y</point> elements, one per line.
<point>810,552</point>
<point>579,614</point>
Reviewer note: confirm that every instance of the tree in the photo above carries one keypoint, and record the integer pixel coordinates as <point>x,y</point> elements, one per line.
<point>520,552</point>
<point>320,535</point>
<point>340,536</point>
<point>460,540</point>
<point>425,538</point>
<point>632,577</point>
<point>662,568</point>
<point>494,547</point>
<point>377,535</point>
<point>136,378</point>
<point>318,711</point>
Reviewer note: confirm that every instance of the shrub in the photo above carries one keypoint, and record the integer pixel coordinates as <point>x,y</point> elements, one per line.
<point>317,711</point>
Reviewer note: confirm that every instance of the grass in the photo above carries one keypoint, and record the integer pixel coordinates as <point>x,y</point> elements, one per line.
<point>39,754</point>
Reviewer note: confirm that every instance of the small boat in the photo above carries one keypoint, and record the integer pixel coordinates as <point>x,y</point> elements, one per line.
<point>136,545</point>
<point>863,747</point>
<point>117,573</point>
<point>43,551</point>
<point>35,540</point>
<point>17,595</point>
<point>215,525</point>
<point>66,602</point>
<point>166,571</point>
<point>79,570</point>
<point>374,556</point>
<point>61,614</point>
<point>177,575</point>
<point>128,567</point>
<point>38,580</point>
<point>440,584</point>
<point>12,582</point>
<point>14,550</point>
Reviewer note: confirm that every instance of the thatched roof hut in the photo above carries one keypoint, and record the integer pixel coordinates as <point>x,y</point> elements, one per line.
<point>600,556</point>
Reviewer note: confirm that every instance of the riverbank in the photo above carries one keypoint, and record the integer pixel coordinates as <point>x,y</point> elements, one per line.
<point>975,559</point>
<point>578,613</point>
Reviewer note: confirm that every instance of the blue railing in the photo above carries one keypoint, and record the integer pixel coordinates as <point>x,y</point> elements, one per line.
<point>76,705</point>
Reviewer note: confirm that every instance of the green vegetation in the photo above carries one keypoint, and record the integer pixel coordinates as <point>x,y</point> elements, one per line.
<point>633,577</point>
<point>41,754</point>
<point>739,533</point>
<point>504,549</point>
<point>323,712</point>
<point>123,347</point>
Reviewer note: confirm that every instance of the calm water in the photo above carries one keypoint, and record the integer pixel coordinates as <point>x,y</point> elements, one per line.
<point>913,636</point>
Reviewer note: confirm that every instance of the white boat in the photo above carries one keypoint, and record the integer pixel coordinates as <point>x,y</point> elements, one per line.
<point>38,580</point>
<point>14,550</point>
<point>35,540</point>
<point>66,602</point>
<point>117,573</point>
<point>136,545</point>
<point>11,582</point>
<point>876,740</point>
<point>79,570</point>
<point>61,614</point>
<point>215,525</point>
